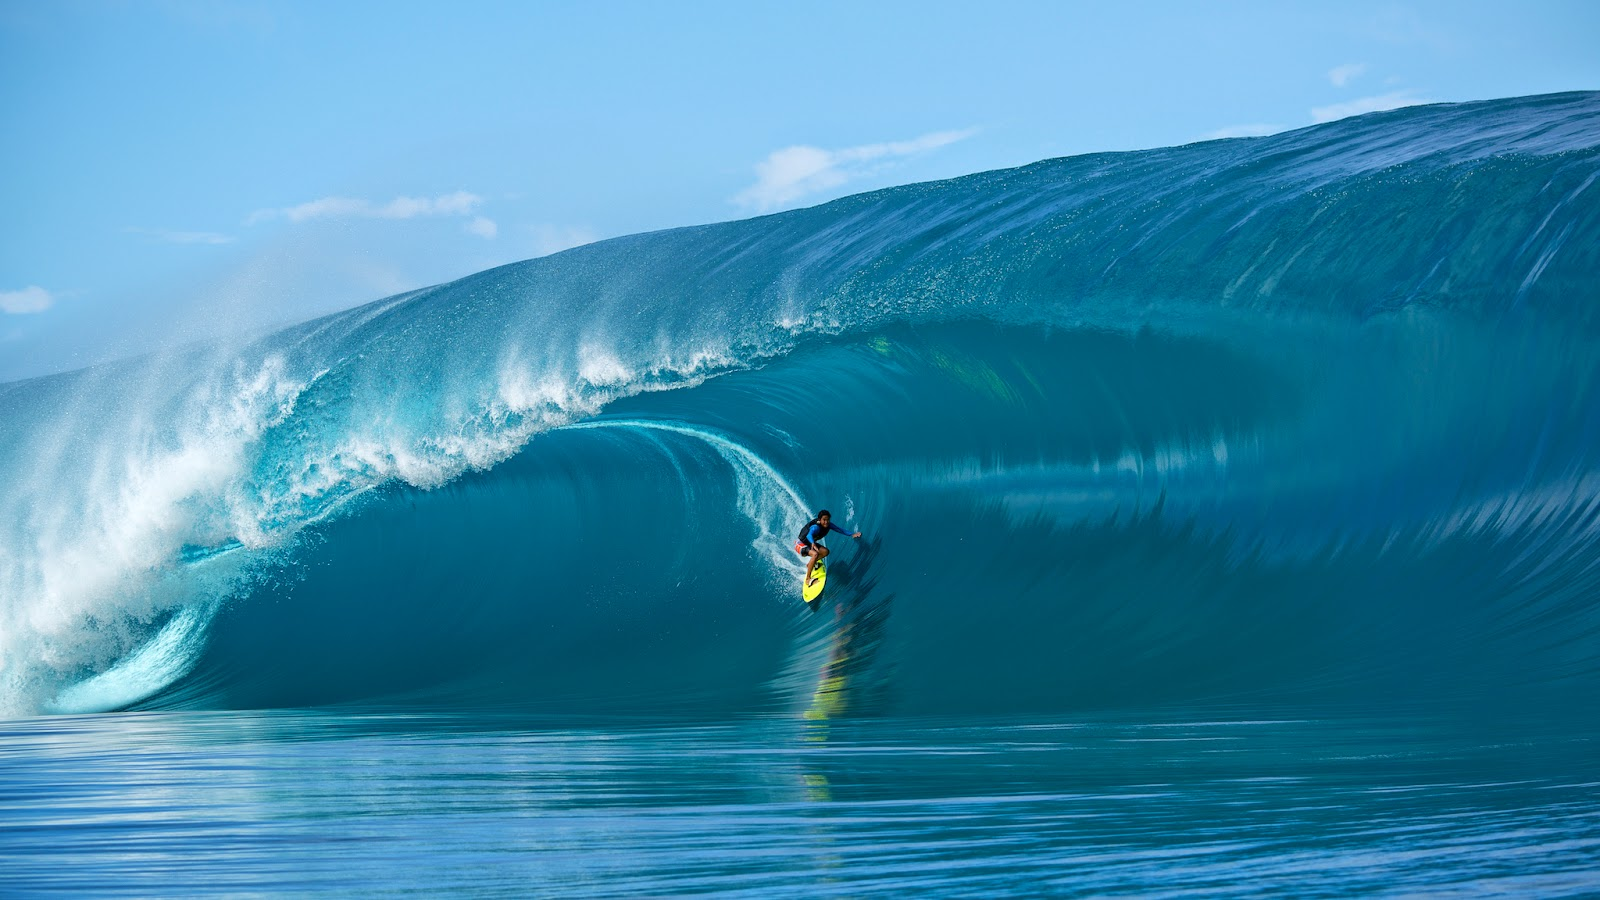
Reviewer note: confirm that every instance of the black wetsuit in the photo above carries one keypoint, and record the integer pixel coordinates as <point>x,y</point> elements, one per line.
<point>814,532</point>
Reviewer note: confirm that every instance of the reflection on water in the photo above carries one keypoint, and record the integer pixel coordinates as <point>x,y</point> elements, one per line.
<point>859,613</point>
<point>169,804</point>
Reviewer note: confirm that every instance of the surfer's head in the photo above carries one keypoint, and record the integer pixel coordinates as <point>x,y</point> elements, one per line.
<point>823,517</point>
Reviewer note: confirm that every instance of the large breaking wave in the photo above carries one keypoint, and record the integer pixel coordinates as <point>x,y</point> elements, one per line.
<point>1312,416</point>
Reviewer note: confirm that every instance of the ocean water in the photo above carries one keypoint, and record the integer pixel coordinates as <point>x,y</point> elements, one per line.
<point>1230,522</point>
<point>389,803</point>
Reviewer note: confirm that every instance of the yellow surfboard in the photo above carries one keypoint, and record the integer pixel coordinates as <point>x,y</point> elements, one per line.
<point>814,590</point>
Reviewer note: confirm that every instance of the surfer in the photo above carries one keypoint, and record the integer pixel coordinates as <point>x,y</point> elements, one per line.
<point>810,543</point>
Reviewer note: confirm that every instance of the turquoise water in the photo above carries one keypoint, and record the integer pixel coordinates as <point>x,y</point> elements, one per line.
<point>178,804</point>
<point>1230,522</point>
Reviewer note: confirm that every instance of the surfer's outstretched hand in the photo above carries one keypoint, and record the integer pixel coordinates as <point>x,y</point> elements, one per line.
<point>856,535</point>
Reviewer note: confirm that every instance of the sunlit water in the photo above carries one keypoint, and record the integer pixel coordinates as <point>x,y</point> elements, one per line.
<point>168,804</point>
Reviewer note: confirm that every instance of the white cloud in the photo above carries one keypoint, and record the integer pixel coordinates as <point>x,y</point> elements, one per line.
<point>794,172</point>
<point>548,239</point>
<point>1236,131</point>
<point>483,227</point>
<point>183,237</point>
<point>31,299</point>
<point>1343,75</point>
<point>1379,103</point>
<point>460,203</point>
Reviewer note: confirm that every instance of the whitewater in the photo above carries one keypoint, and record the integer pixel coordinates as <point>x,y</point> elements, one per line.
<point>1286,445</point>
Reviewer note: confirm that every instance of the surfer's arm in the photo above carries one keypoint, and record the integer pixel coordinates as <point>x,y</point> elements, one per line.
<point>833,527</point>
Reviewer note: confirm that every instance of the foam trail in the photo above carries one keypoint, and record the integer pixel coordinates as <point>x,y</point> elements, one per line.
<point>759,485</point>
<point>772,504</point>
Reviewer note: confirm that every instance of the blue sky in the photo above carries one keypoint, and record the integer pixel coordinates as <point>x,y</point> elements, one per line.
<point>172,170</point>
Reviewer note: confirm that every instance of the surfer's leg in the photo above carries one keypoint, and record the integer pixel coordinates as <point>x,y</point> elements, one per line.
<point>817,556</point>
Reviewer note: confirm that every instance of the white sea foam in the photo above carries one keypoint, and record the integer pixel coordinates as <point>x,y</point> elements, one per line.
<point>111,493</point>
<point>98,524</point>
<point>160,661</point>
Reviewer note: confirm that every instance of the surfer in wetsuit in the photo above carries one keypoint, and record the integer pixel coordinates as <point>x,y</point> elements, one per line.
<point>810,543</point>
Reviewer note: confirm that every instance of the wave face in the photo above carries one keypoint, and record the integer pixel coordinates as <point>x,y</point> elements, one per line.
<point>1312,417</point>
